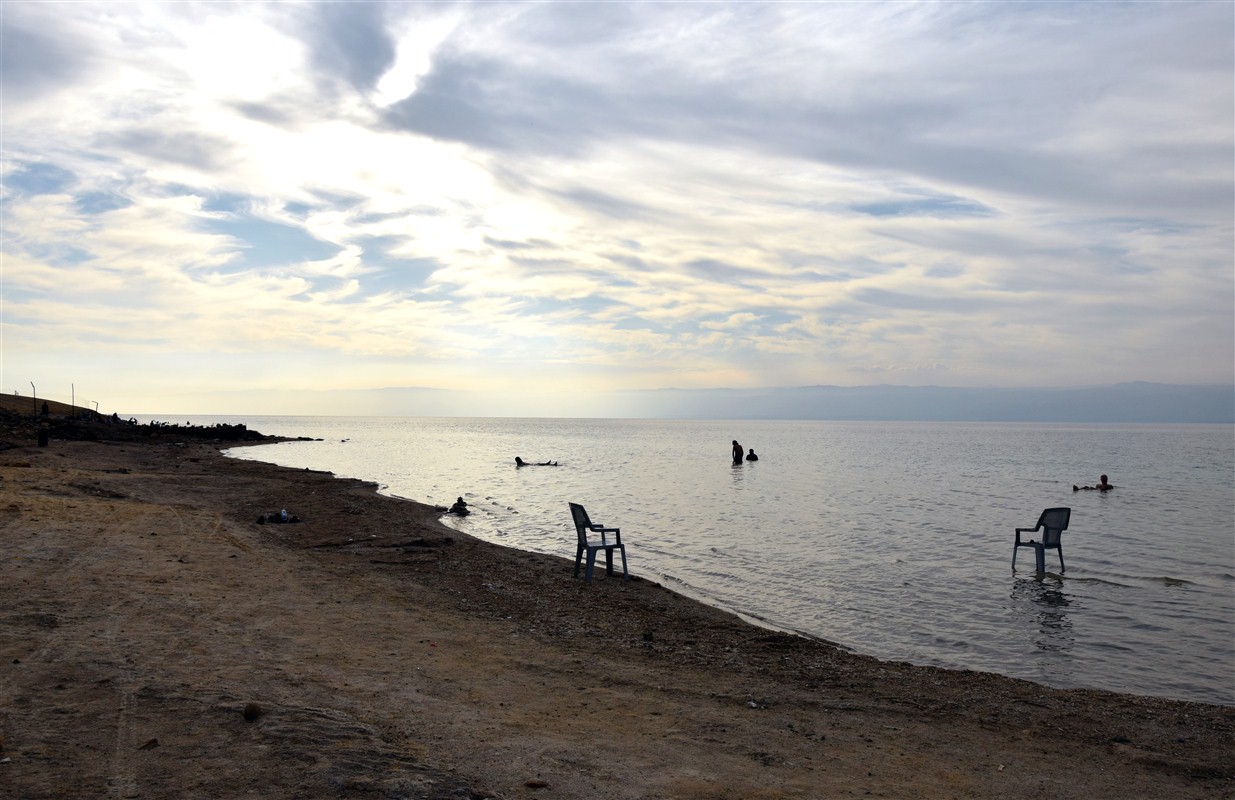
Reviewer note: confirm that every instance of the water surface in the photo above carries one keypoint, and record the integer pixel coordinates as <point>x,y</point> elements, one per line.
<point>892,539</point>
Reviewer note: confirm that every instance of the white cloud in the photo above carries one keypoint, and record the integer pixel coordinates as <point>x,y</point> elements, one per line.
<point>713,194</point>
<point>419,37</point>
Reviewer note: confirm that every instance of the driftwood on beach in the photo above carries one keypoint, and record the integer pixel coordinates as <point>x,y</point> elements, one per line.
<point>158,642</point>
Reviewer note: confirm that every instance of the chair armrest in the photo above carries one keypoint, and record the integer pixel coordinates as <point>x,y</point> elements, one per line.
<point>602,530</point>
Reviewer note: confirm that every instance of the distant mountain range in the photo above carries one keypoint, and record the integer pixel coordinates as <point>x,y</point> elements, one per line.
<point>1125,402</point>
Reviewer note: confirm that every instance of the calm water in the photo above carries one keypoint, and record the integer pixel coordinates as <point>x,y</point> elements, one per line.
<point>892,539</point>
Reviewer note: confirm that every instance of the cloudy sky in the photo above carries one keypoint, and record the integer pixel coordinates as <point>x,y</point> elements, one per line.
<point>235,206</point>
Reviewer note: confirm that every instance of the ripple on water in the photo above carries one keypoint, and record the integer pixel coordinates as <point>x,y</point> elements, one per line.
<point>894,539</point>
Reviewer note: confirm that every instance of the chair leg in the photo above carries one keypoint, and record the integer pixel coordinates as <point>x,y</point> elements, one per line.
<point>1015,548</point>
<point>625,572</point>
<point>591,565</point>
<point>608,560</point>
<point>1062,568</point>
<point>578,559</point>
<point>1040,555</point>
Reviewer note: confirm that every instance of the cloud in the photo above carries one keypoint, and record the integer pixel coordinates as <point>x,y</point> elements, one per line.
<point>732,321</point>
<point>925,206</point>
<point>34,60</point>
<point>350,42</point>
<point>623,193</point>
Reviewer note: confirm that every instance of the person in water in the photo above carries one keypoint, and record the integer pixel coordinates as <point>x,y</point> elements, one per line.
<point>519,462</point>
<point>751,455</point>
<point>460,508</point>
<point>1103,486</point>
<point>737,452</point>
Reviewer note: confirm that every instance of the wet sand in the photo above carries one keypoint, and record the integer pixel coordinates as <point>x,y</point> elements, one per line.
<point>155,641</point>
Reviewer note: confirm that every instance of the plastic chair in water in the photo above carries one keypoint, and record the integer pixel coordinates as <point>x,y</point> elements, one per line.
<point>584,527</point>
<point>1052,523</point>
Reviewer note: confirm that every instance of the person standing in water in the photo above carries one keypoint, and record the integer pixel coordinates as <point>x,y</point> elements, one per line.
<point>751,455</point>
<point>737,452</point>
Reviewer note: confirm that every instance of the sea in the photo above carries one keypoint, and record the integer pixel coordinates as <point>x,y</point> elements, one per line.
<point>892,539</point>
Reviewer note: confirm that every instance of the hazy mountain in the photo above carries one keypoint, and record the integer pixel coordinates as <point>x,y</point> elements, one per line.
<point>1125,402</point>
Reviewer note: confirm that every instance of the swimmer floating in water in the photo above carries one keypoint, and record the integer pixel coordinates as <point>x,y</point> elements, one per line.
<point>1103,486</point>
<point>460,508</point>
<point>519,462</point>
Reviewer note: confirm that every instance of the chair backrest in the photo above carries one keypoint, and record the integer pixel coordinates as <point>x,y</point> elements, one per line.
<point>582,521</point>
<point>1054,521</point>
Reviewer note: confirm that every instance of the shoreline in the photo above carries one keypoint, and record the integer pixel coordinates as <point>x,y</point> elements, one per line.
<point>390,655</point>
<point>1065,631</point>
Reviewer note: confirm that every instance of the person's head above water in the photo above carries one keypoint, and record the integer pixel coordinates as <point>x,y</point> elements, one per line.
<point>518,461</point>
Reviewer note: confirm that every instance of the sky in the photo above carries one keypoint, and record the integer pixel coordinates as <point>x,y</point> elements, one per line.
<point>527,207</point>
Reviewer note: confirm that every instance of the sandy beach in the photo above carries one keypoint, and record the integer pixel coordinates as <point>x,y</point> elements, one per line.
<point>157,641</point>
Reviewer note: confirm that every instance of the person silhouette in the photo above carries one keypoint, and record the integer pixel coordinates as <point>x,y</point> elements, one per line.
<point>1103,485</point>
<point>751,455</point>
<point>737,452</point>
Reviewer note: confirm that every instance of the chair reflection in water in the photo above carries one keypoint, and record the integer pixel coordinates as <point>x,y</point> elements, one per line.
<point>585,528</point>
<point>1052,523</point>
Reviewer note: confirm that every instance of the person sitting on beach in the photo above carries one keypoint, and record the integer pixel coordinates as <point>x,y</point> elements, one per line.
<point>460,508</point>
<point>1103,486</point>
<point>751,455</point>
<point>519,462</point>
